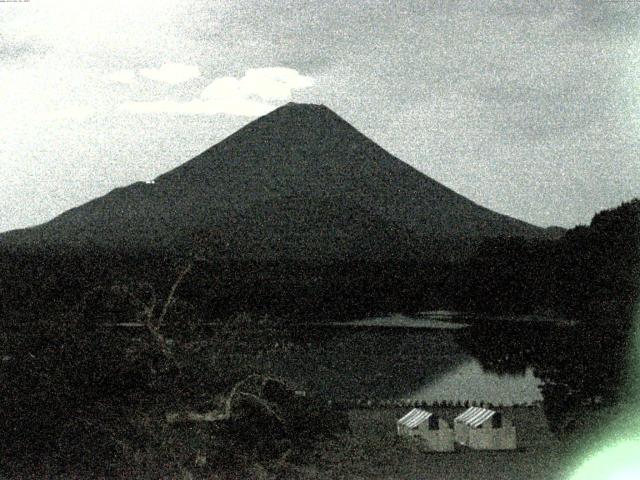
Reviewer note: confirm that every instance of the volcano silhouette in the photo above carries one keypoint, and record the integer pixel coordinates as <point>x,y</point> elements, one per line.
<point>299,182</point>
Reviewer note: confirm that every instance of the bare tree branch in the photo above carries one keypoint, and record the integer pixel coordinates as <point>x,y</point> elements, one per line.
<point>170,297</point>
<point>154,324</point>
<point>264,404</point>
<point>216,415</point>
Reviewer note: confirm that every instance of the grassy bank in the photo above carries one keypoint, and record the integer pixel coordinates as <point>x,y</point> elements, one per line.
<point>372,450</point>
<point>92,402</point>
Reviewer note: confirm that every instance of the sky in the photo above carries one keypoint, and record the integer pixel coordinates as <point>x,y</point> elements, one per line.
<point>530,108</point>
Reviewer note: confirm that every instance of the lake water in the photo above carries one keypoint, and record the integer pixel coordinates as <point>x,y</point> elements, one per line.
<point>471,382</point>
<point>428,358</point>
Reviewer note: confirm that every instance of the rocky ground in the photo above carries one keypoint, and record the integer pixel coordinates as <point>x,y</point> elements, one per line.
<point>373,451</point>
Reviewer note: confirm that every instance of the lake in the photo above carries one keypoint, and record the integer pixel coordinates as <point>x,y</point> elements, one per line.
<point>430,357</point>
<point>444,356</point>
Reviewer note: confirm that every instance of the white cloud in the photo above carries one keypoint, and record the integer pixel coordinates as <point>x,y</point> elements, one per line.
<point>245,96</point>
<point>238,106</point>
<point>123,76</point>
<point>266,83</point>
<point>173,73</point>
<point>77,112</point>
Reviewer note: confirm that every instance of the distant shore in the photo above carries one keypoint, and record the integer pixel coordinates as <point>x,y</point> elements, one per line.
<point>402,321</point>
<point>446,320</point>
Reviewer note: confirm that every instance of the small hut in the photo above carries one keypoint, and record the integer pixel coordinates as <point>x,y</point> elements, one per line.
<point>484,429</point>
<point>432,431</point>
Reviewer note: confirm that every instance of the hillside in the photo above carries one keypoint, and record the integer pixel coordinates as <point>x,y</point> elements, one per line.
<point>298,183</point>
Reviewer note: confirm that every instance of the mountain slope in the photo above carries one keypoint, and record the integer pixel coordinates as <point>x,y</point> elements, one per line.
<point>299,182</point>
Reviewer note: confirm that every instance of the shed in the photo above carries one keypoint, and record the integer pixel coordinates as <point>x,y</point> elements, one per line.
<point>484,429</point>
<point>432,431</point>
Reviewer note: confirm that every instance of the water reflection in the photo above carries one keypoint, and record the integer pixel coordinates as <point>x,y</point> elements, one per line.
<point>346,363</point>
<point>424,364</point>
<point>578,368</point>
<point>472,382</point>
<point>568,368</point>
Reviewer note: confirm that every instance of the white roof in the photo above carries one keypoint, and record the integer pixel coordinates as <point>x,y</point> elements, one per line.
<point>475,416</point>
<point>414,418</point>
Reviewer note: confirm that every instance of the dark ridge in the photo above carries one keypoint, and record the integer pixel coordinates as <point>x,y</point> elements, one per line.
<point>298,182</point>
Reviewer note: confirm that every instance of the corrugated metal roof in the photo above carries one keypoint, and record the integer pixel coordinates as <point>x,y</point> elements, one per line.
<point>475,416</point>
<point>414,418</point>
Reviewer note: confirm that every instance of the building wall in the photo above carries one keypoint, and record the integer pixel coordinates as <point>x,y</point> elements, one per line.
<point>441,440</point>
<point>437,440</point>
<point>485,437</point>
<point>492,439</point>
<point>461,432</point>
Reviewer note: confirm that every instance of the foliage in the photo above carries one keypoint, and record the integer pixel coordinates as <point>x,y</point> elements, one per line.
<point>590,272</point>
<point>81,394</point>
<point>580,368</point>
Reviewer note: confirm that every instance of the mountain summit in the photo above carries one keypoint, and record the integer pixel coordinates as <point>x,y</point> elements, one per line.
<point>299,182</point>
